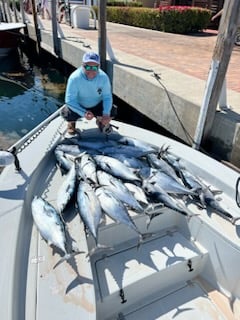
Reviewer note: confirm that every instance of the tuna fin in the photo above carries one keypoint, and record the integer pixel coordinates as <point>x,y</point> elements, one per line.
<point>67,257</point>
<point>98,248</point>
<point>236,221</point>
<point>76,282</point>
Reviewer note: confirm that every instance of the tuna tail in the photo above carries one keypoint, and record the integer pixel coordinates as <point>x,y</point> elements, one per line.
<point>99,247</point>
<point>76,282</point>
<point>153,211</point>
<point>67,257</point>
<point>151,216</point>
<point>142,237</point>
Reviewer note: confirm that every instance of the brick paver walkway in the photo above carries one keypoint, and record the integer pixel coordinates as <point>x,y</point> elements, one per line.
<point>189,54</point>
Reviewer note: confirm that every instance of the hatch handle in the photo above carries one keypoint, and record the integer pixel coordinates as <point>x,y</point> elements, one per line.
<point>189,264</point>
<point>122,296</point>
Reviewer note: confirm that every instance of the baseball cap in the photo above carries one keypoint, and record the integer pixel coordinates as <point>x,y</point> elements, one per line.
<point>91,57</point>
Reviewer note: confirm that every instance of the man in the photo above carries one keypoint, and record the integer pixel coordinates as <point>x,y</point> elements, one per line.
<point>88,94</point>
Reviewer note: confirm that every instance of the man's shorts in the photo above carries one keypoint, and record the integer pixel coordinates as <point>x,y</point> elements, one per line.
<point>70,115</point>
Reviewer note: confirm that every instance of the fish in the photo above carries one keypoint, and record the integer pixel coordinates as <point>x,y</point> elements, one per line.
<point>116,210</point>
<point>131,151</point>
<point>170,185</point>
<point>115,168</point>
<point>95,144</point>
<point>161,164</point>
<point>164,181</point>
<point>87,167</point>
<point>50,226</point>
<point>207,197</point>
<point>147,172</point>
<point>119,190</point>
<point>145,147</point>
<point>89,208</point>
<point>174,161</point>
<point>131,162</point>
<point>90,211</point>
<point>71,149</point>
<point>138,192</point>
<point>195,183</point>
<point>66,190</point>
<point>159,194</point>
<point>191,181</point>
<point>64,163</point>
<point>204,196</point>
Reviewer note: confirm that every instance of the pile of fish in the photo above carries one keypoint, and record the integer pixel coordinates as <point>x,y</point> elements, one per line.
<point>110,177</point>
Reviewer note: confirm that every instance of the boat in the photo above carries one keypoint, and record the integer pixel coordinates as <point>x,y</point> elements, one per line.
<point>172,266</point>
<point>9,37</point>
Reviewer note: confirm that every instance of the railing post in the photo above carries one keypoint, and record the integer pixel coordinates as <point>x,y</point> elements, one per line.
<point>223,96</point>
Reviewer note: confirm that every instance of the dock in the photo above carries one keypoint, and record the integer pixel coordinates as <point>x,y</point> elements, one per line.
<point>161,75</point>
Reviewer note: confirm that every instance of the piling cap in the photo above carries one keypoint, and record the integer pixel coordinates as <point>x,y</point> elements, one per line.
<point>91,57</point>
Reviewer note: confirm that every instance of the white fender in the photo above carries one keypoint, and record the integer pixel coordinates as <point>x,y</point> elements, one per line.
<point>6,158</point>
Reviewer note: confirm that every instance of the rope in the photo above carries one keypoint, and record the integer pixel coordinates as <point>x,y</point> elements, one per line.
<point>188,136</point>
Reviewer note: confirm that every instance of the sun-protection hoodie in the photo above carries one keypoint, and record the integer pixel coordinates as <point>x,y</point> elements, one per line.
<point>83,93</point>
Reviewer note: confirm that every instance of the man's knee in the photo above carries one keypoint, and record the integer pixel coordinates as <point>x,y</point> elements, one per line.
<point>64,111</point>
<point>68,114</point>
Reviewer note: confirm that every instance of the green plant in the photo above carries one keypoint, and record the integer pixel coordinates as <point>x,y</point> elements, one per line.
<point>184,19</point>
<point>173,19</point>
<point>124,3</point>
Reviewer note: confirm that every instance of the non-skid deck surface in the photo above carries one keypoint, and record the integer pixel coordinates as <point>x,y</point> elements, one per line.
<point>132,264</point>
<point>187,303</point>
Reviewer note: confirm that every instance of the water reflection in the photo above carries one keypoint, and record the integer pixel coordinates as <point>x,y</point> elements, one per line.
<point>10,62</point>
<point>28,95</point>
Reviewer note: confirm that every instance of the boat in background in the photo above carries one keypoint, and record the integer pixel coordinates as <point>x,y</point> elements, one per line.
<point>9,37</point>
<point>173,265</point>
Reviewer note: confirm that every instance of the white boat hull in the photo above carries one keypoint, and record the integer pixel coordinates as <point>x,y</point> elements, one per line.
<point>9,37</point>
<point>187,269</point>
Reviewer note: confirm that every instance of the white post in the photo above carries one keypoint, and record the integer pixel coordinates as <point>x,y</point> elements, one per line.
<point>223,96</point>
<point>110,51</point>
<point>204,107</point>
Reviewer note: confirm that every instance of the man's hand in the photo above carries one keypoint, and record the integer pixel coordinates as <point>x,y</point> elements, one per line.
<point>89,115</point>
<point>105,119</point>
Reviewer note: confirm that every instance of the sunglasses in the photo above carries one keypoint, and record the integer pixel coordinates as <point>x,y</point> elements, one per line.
<point>90,68</point>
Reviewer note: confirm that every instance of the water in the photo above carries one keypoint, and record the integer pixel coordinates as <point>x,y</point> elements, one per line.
<point>28,95</point>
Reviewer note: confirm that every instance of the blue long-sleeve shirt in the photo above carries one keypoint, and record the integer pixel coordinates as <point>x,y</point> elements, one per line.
<point>83,93</point>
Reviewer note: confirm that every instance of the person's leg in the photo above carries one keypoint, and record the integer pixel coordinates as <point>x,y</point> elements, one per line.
<point>98,110</point>
<point>71,127</point>
<point>71,118</point>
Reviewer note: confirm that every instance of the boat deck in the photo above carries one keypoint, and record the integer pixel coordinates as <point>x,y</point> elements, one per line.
<point>175,272</point>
